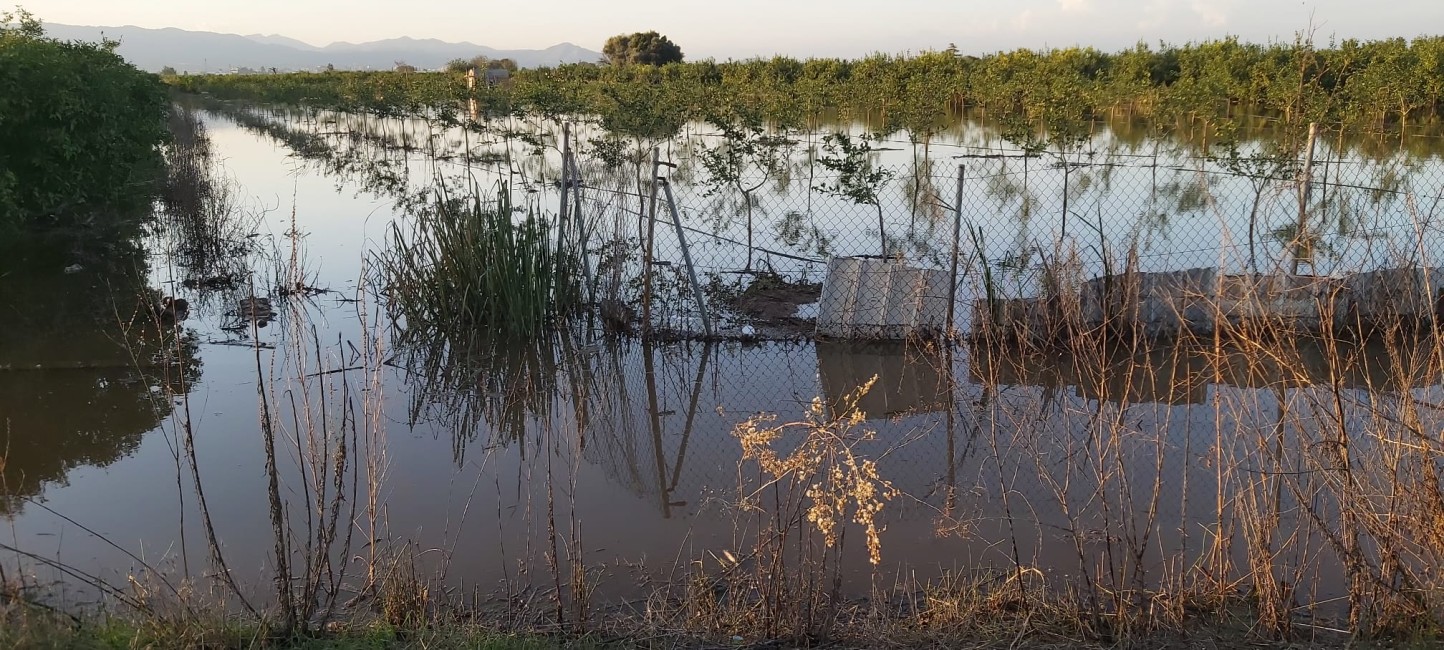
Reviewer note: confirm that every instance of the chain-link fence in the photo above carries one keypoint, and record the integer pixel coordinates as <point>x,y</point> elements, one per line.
<point>926,232</point>
<point>933,237</point>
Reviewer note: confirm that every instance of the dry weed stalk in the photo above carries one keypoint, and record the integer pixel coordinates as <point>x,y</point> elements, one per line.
<point>838,479</point>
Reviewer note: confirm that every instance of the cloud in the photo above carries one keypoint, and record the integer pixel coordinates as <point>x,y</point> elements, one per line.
<point>1214,13</point>
<point>1155,13</point>
<point>1022,21</point>
<point>1075,6</point>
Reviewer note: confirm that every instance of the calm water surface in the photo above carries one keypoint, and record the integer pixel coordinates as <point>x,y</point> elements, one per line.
<point>632,440</point>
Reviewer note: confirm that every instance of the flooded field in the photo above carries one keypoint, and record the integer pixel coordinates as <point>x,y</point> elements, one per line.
<point>284,423</point>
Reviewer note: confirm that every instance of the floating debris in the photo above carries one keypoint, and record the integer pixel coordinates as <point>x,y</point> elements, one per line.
<point>220,282</point>
<point>300,289</point>
<point>250,310</point>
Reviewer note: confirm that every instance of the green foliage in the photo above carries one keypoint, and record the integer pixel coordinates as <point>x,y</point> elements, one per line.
<point>745,157</point>
<point>743,161</point>
<point>858,179</point>
<point>480,62</point>
<point>641,48</point>
<point>646,112</point>
<point>381,93</point>
<point>1046,99</point>
<point>80,129</point>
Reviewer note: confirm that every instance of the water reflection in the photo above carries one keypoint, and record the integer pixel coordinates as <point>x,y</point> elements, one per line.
<point>1162,195</point>
<point>1187,373</point>
<point>490,392</point>
<point>1006,460</point>
<point>911,378</point>
<point>82,378</point>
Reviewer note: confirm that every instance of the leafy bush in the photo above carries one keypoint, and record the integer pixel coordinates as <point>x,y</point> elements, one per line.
<point>80,129</point>
<point>641,48</point>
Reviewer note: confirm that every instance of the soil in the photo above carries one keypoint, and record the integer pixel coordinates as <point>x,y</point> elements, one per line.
<point>772,299</point>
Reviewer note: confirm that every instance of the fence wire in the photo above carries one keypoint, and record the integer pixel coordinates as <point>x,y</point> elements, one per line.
<point>1007,220</point>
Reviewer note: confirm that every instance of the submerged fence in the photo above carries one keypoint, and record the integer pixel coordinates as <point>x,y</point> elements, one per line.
<point>727,238</point>
<point>999,226</point>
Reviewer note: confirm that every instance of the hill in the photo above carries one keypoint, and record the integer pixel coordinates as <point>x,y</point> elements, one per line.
<point>192,51</point>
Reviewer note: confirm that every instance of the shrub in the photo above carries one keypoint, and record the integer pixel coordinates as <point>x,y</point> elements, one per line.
<point>80,129</point>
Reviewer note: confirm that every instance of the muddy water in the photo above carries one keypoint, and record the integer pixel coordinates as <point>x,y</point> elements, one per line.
<point>627,446</point>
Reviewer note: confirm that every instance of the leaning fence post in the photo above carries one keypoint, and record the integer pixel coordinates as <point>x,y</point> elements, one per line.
<point>957,237</point>
<point>647,255</point>
<point>687,257</point>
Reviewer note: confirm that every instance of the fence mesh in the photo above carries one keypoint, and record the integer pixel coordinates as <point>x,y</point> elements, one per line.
<point>1009,220</point>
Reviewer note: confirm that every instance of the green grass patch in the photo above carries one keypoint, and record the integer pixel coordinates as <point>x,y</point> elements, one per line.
<point>474,269</point>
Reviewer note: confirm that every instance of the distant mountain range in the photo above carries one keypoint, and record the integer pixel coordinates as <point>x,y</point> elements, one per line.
<point>189,51</point>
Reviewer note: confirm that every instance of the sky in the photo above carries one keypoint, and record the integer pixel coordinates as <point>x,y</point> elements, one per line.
<point>740,29</point>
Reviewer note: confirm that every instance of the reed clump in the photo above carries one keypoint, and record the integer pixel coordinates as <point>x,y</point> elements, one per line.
<point>403,596</point>
<point>470,268</point>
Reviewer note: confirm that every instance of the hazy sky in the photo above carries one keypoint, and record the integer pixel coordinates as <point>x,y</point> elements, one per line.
<point>745,28</point>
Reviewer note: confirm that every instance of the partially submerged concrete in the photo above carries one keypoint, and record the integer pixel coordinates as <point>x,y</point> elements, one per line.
<point>1204,301</point>
<point>882,299</point>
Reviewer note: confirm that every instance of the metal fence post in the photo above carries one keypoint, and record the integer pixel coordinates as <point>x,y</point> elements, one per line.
<point>687,257</point>
<point>957,237</point>
<point>1306,189</point>
<point>650,250</point>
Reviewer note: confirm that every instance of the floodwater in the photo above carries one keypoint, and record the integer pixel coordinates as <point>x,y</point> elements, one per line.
<point>126,445</point>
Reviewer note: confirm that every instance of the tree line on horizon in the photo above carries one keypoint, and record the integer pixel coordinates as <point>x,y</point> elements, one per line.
<point>1382,83</point>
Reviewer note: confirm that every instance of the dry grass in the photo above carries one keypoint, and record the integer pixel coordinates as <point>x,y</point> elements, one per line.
<point>1323,456</point>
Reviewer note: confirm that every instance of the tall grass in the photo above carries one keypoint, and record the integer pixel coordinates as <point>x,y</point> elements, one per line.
<point>469,270</point>
<point>1285,464</point>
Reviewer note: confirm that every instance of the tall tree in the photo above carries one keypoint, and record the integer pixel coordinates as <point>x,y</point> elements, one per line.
<point>642,48</point>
